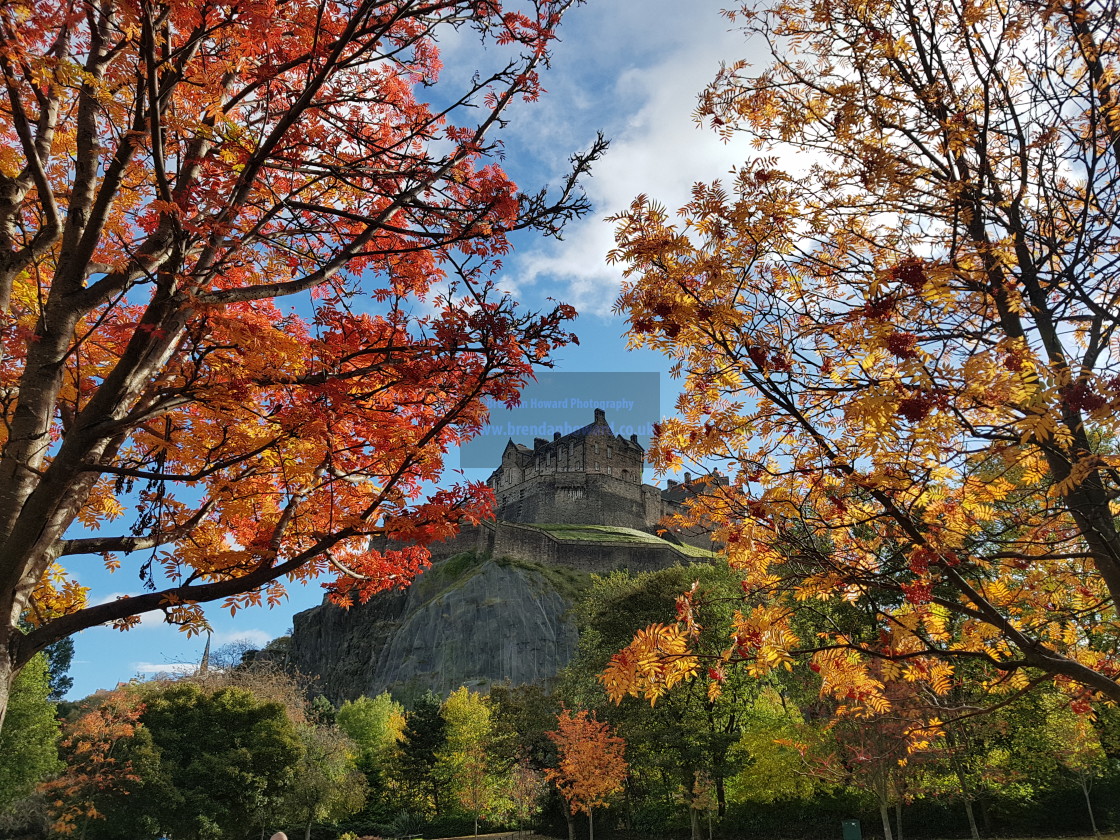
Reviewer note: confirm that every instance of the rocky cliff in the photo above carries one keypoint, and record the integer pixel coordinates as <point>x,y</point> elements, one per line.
<point>469,620</point>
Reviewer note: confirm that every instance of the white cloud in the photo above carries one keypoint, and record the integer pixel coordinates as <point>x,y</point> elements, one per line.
<point>656,148</point>
<point>170,668</point>
<point>254,637</point>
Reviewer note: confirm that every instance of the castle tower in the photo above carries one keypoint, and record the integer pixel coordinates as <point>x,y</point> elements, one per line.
<point>590,476</point>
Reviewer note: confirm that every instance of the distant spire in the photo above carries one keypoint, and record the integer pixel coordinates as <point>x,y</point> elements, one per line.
<point>204,665</point>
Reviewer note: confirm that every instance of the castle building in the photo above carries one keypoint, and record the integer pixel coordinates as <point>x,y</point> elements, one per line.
<point>588,477</point>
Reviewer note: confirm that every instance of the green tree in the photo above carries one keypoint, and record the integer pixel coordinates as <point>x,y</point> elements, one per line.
<point>29,740</point>
<point>464,761</point>
<point>522,716</point>
<point>327,783</point>
<point>690,732</point>
<point>423,736</point>
<point>769,769</point>
<point>227,757</point>
<point>1079,753</point>
<point>59,656</point>
<point>375,725</point>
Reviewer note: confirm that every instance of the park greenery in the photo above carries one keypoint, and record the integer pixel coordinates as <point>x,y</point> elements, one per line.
<point>233,751</point>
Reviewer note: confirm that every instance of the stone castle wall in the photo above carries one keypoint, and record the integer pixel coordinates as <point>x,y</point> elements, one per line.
<point>525,542</point>
<point>580,498</point>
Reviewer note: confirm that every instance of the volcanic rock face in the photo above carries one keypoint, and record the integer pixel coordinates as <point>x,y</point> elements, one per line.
<point>466,621</point>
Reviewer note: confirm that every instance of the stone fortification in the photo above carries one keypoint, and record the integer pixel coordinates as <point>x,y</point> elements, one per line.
<point>565,508</point>
<point>588,477</point>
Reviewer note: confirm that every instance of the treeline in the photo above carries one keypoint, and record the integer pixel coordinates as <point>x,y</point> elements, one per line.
<point>238,751</point>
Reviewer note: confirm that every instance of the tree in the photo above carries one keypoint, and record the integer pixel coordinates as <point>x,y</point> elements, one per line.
<point>29,746</point>
<point>906,345</point>
<point>228,759</point>
<point>375,724</point>
<point>690,733</point>
<point>424,735</point>
<point>590,764</point>
<point>59,656</point>
<point>527,789</point>
<point>245,294</point>
<point>1081,754</point>
<point>108,758</point>
<point>464,761</point>
<point>327,783</point>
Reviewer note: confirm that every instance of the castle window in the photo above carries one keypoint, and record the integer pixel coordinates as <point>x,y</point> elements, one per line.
<point>609,469</point>
<point>596,466</point>
<point>596,450</point>
<point>610,451</point>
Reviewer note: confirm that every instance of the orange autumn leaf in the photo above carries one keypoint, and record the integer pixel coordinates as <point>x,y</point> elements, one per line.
<point>591,763</point>
<point>899,335</point>
<point>245,295</point>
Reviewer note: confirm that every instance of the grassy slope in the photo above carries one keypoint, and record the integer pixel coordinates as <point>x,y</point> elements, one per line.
<point>612,534</point>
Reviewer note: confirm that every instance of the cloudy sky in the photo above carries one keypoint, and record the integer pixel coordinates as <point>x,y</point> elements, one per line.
<point>629,68</point>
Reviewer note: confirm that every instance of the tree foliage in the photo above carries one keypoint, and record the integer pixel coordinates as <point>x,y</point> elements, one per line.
<point>327,784</point>
<point>464,759</point>
<point>904,344</point>
<point>245,294</point>
<point>690,732</point>
<point>227,759</point>
<point>591,763</point>
<point>375,725</point>
<point>108,756</point>
<point>424,735</point>
<point>29,745</point>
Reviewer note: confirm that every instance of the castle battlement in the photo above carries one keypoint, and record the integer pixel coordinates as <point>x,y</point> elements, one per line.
<point>589,477</point>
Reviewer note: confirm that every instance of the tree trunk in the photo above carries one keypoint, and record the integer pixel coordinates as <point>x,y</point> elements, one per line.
<point>694,822</point>
<point>966,795</point>
<point>1089,804</point>
<point>6,678</point>
<point>898,819</point>
<point>985,817</point>
<point>885,815</point>
<point>971,818</point>
<point>307,830</point>
<point>571,823</point>
<point>591,823</point>
<point>476,825</point>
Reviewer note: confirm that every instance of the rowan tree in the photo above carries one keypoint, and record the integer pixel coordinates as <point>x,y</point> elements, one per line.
<point>897,326</point>
<point>245,285</point>
<point>109,757</point>
<point>591,764</point>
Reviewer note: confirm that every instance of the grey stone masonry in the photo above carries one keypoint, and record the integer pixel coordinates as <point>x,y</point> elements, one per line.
<point>588,477</point>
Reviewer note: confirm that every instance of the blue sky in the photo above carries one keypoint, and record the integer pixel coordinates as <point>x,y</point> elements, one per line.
<point>628,68</point>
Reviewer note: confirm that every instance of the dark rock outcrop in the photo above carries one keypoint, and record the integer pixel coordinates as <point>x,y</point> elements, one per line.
<point>468,620</point>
